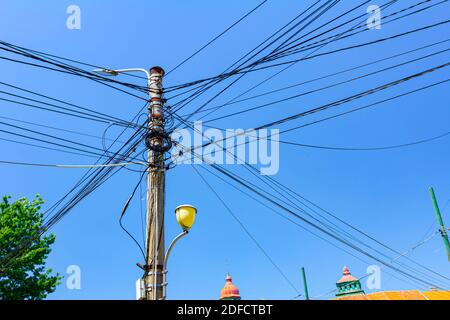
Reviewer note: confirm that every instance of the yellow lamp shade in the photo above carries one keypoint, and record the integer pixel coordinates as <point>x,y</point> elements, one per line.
<point>185,216</point>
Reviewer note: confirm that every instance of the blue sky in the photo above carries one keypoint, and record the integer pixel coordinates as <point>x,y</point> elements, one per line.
<point>385,193</point>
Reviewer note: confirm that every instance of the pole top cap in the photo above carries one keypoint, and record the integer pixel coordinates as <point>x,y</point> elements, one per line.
<point>157,69</point>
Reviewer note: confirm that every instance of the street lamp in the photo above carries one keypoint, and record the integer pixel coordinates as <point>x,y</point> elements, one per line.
<point>185,215</point>
<point>113,73</point>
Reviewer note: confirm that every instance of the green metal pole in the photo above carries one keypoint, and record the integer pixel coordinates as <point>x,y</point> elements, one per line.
<point>441,223</point>
<point>305,285</point>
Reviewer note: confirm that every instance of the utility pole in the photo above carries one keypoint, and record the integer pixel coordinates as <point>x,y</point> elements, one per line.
<point>156,140</point>
<point>158,143</point>
<point>442,229</point>
<point>305,285</point>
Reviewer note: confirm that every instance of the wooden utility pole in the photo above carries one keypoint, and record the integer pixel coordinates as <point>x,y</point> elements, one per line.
<point>442,228</point>
<point>155,140</point>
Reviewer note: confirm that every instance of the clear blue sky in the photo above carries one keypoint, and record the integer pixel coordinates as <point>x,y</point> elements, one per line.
<point>382,192</point>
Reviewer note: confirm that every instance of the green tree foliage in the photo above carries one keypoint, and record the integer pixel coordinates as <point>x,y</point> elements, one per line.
<point>24,277</point>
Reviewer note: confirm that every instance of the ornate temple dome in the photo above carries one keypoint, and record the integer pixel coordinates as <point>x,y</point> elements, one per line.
<point>346,276</point>
<point>229,291</point>
<point>348,285</point>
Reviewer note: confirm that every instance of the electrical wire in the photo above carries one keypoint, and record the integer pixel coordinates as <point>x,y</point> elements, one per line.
<point>244,228</point>
<point>325,76</point>
<point>277,204</point>
<point>397,146</point>
<point>124,209</point>
<point>427,27</point>
<point>71,166</point>
<point>240,112</point>
<point>402,255</point>
<point>56,128</point>
<point>290,220</point>
<point>362,27</point>
<point>282,70</point>
<point>343,101</point>
<point>236,70</point>
<point>377,251</point>
<point>224,76</point>
<point>86,111</point>
<point>216,37</point>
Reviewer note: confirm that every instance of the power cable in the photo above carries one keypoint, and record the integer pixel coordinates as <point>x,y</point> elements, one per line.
<point>124,209</point>
<point>325,76</point>
<point>398,146</point>
<point>326,87</point>
<point>277,204</point>
<point>296,208</point>
<point>284,69</point>
<point>244,228</point>
<point>215,38</point>
<point>435,25</point>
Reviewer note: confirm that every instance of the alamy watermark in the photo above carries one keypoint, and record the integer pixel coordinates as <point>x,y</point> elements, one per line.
<point>73,21</point>
<point>229,146</point>
<point>373,281</point>
<point>73,281</point>
<point>374,20</point>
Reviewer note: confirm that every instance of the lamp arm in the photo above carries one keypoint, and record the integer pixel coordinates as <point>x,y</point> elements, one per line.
<point>134,70</point>
<point>178,237</point>
<point>166,258</point>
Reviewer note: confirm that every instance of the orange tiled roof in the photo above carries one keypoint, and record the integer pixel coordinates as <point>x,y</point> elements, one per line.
<point>400,295</point>
<point>437,295</point>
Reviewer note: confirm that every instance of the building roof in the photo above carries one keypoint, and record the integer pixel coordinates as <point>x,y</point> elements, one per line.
<point>229,291</point>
